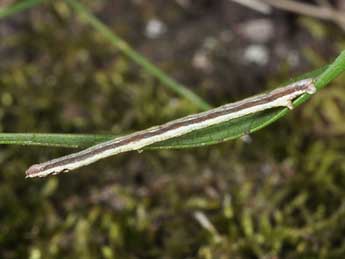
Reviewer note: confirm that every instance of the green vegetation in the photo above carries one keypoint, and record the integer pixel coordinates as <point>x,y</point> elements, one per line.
<point>212,135</point>
<point>279,196</point>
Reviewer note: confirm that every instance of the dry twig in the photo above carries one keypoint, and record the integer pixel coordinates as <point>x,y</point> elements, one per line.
<point>322,11</point>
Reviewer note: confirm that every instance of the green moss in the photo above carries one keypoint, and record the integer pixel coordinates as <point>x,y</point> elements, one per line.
<point>279,196</point>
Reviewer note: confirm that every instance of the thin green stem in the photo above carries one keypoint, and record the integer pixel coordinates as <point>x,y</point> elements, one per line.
<point>18,7</point>
<point>120,44</point>
<point>332,72</point>
<point>231,130</point>
<point>136,57</point>
<point>54,140</point>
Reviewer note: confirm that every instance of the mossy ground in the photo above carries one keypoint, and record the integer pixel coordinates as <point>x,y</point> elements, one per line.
<point>280,195</point>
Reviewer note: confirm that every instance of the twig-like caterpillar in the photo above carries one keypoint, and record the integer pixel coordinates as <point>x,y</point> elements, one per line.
<point>279,97</point>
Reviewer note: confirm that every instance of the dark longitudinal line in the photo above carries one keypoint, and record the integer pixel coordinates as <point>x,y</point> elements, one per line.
<point>171,126</point>
<point>279,97</point>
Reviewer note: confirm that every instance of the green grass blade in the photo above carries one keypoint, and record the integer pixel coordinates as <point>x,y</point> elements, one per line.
<point>212,135</point>
<point>18,7</point>
<point>138,58</point>
<point>53,140</point>
<point>236,128</point>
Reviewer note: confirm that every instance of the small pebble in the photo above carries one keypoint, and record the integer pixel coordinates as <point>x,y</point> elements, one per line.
<point>257,54</point>
<point>258,30</point>
<point>155,28</point>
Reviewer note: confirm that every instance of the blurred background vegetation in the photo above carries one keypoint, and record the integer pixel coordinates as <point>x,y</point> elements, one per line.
<point>278,193</point>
